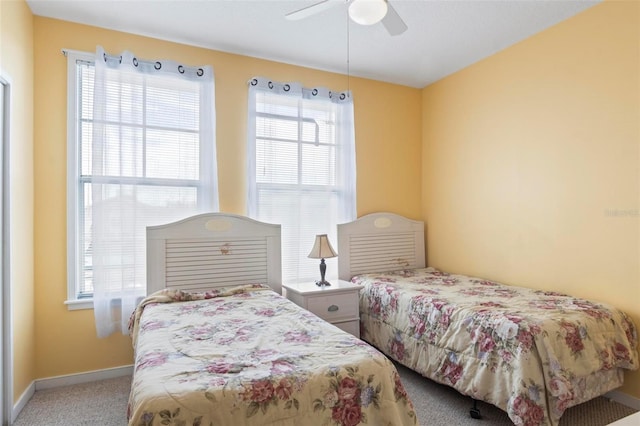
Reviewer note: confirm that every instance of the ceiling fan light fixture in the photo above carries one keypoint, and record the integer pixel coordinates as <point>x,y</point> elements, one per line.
<point>367,12</point>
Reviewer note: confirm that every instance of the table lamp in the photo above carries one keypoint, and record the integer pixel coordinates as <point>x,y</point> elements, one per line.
<point>322,250</point>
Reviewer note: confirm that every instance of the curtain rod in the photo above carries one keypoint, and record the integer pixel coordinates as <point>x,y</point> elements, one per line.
<point>199,71</point>
<point>66,52</point>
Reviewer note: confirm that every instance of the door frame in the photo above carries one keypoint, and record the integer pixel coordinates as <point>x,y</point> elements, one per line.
<point>6,331</point>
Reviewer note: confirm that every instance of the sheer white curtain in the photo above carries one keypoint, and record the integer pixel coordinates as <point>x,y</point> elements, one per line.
<point>151,160</point>
<point>301,167</point>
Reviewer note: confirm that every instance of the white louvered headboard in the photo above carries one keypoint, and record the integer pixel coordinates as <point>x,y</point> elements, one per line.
<point>379,242</point>
<point>213,250</point>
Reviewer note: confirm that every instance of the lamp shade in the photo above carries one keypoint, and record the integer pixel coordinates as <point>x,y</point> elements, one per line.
<point>322,248</point>
<point>367,12</point>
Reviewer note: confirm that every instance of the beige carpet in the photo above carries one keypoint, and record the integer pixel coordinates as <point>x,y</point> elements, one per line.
<point>104,403</point>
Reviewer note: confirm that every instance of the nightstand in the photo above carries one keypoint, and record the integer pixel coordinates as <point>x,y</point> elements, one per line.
<point>338,303</point>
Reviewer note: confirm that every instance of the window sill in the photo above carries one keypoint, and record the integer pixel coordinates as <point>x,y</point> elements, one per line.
<point>78,304</point>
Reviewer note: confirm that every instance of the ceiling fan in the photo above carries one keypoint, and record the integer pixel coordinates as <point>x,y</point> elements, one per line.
<point>364,12</point>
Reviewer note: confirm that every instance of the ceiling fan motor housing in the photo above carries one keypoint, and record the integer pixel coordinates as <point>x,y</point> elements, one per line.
<point>367,12</point>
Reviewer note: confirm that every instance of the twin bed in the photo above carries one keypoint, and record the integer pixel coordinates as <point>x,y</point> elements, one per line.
<point>531,353</point>
<point>216,343</point>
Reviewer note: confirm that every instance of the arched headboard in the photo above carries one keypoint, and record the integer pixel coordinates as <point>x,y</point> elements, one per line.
<point>379,242</point>
<point>213,250</point>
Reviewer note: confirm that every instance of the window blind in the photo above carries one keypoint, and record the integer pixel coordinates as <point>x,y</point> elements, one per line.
<point>150,168</point>
<point>297,177</point>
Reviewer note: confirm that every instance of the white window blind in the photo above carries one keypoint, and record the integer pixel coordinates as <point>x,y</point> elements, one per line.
<point>301,168</point>
<point>143,153</point>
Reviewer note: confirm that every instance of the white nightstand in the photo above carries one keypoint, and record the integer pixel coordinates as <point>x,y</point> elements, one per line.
<point>337,303</point>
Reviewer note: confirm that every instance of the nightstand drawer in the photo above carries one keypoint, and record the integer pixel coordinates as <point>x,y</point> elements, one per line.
<point>337,304</point>
<point>334,306</point>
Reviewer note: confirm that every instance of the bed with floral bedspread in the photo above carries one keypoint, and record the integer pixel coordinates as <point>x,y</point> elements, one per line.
<point>248,356</point>
<point>531,353</point>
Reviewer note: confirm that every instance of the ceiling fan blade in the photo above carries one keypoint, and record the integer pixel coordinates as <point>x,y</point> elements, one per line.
<point>393,22</point>
<point>310,10</point>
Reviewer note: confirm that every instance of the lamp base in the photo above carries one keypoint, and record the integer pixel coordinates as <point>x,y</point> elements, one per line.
<point>323,283</point>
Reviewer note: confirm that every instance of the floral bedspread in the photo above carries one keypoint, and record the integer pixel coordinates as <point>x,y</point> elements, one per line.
<point>531,353</point>
<point>248,356</point>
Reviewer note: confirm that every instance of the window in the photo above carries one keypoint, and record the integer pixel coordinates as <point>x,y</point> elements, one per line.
<point>301,159</point>
<point>141,151</point>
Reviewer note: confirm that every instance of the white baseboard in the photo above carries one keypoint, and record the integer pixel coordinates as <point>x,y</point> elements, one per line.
<point>70,379</point>
<point>22,401</point>
<point>89,376</point>
<point>632,420</point>
<point>624,399</point>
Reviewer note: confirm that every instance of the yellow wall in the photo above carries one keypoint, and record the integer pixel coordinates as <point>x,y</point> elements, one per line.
<point>16,64</point>
<point>522,160</point>
<point>388,133</point>
<point>531,163</point>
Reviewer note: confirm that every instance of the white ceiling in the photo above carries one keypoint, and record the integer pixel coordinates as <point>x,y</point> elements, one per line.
<point>444,36</point>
